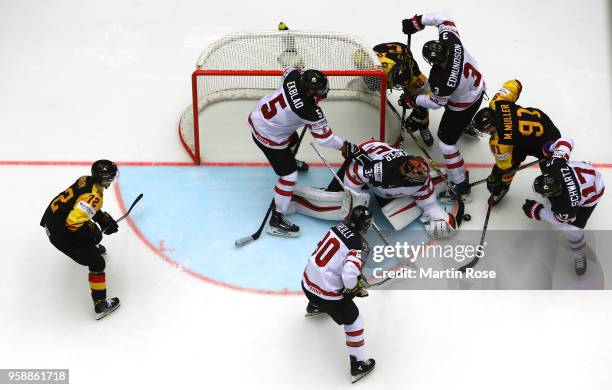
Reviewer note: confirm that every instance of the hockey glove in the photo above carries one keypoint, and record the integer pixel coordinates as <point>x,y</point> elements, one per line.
<point>106,222</point>
<point>532,209</point>
<point>354,152</point>
<point>412,25</point>
<point>407,101</point>
<point>417,120</point>
<point>357,291</point>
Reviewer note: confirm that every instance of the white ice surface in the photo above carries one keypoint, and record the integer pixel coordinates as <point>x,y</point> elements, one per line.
<point>82,80</point>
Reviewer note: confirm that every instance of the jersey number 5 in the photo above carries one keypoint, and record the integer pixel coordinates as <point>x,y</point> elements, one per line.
<point>326,249</point>
<point>269,109</point>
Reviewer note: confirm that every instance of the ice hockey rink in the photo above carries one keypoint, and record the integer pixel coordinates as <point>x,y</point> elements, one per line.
<point>81,81</point>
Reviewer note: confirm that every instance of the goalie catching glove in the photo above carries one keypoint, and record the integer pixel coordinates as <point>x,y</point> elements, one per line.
<point>354,152</point>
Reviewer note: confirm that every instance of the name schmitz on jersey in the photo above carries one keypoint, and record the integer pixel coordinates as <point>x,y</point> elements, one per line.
<point>335,264</point>
<point>278,115</point>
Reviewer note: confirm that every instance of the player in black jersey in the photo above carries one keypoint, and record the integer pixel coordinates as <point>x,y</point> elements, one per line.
<point>69,223</point>
<point>456,84</point>
<point>516,132</point>
<point>402,73</point>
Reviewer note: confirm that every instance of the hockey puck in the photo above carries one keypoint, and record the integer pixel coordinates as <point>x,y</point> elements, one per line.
<point>467,217</point>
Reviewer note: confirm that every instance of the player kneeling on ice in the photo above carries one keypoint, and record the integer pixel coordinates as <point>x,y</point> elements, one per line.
<point>573,188</point>
<point>69,222</point>
<point>516,132</point>
<point>402,185</point>
<point>274,122</point>
<point>332,279</point>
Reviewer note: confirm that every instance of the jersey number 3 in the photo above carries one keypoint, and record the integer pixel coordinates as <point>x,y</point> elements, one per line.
<point>269,109</point>
<point>326,249</point>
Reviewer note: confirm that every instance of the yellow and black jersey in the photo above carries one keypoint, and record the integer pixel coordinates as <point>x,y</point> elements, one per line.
<point>75,206</point>
<point>520,131</point>
<point>394,55</point>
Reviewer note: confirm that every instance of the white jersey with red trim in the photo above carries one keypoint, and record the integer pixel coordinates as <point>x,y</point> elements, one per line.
<point>385,180</point>
<point>460,83</point>
<point>336,263</point>
<point>278,115</point>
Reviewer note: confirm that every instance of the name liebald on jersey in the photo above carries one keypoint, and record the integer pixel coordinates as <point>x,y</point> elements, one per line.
<point>278,115</point>
<point>336,263</point>
<point>460,83</point>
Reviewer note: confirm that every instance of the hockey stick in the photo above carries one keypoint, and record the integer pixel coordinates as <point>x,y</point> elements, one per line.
<point>245,240</point>
<point>510,172</point>
<point>128,212</point>
<point>474,261</point>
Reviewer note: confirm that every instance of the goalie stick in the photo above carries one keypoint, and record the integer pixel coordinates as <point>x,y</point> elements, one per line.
<point>245,240</point>
<point>128,211</point>
<point>476,258</point>
<point>511,171</point>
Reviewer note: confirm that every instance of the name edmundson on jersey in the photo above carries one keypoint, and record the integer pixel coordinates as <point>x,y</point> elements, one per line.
<point>455,72</point>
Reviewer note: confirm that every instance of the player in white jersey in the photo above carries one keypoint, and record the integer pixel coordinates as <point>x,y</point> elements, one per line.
<point>332,278</point>
<point>573,188</point>
<point>403,188</point>
<point>456,84</point>
<point>274,122</point>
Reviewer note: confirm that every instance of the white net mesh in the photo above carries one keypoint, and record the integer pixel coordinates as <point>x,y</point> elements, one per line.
<point>274,50</point>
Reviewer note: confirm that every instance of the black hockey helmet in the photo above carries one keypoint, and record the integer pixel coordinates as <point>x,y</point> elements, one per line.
<point>435,52</point>
<point>399,76</point>
<point>484,121</point>
<point>315,80</point>
<point>104,172</point>
<point>547,185</point>
<point>360,219</point>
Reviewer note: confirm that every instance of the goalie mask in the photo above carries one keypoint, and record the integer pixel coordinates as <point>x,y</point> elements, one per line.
<point>104,172</point>
<point>360,219</point>
<point>547,186</point>
<point>315,80</point>
<point>415,169</point>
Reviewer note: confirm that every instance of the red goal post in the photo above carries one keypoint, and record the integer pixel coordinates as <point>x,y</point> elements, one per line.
<point>353,75</point>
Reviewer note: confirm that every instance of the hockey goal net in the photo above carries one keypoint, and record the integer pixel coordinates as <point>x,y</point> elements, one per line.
<point>247,66</point>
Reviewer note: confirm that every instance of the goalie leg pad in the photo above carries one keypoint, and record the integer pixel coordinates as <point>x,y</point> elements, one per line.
<point>318,203</point>
<point>350,201</point>
<point>401,212</point>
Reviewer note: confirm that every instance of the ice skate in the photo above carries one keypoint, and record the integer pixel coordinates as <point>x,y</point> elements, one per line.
<point>280,226</point>
<point>312,311</point>
<point>359,369</point>
<point>106,306</point>
<point>457,191</point>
